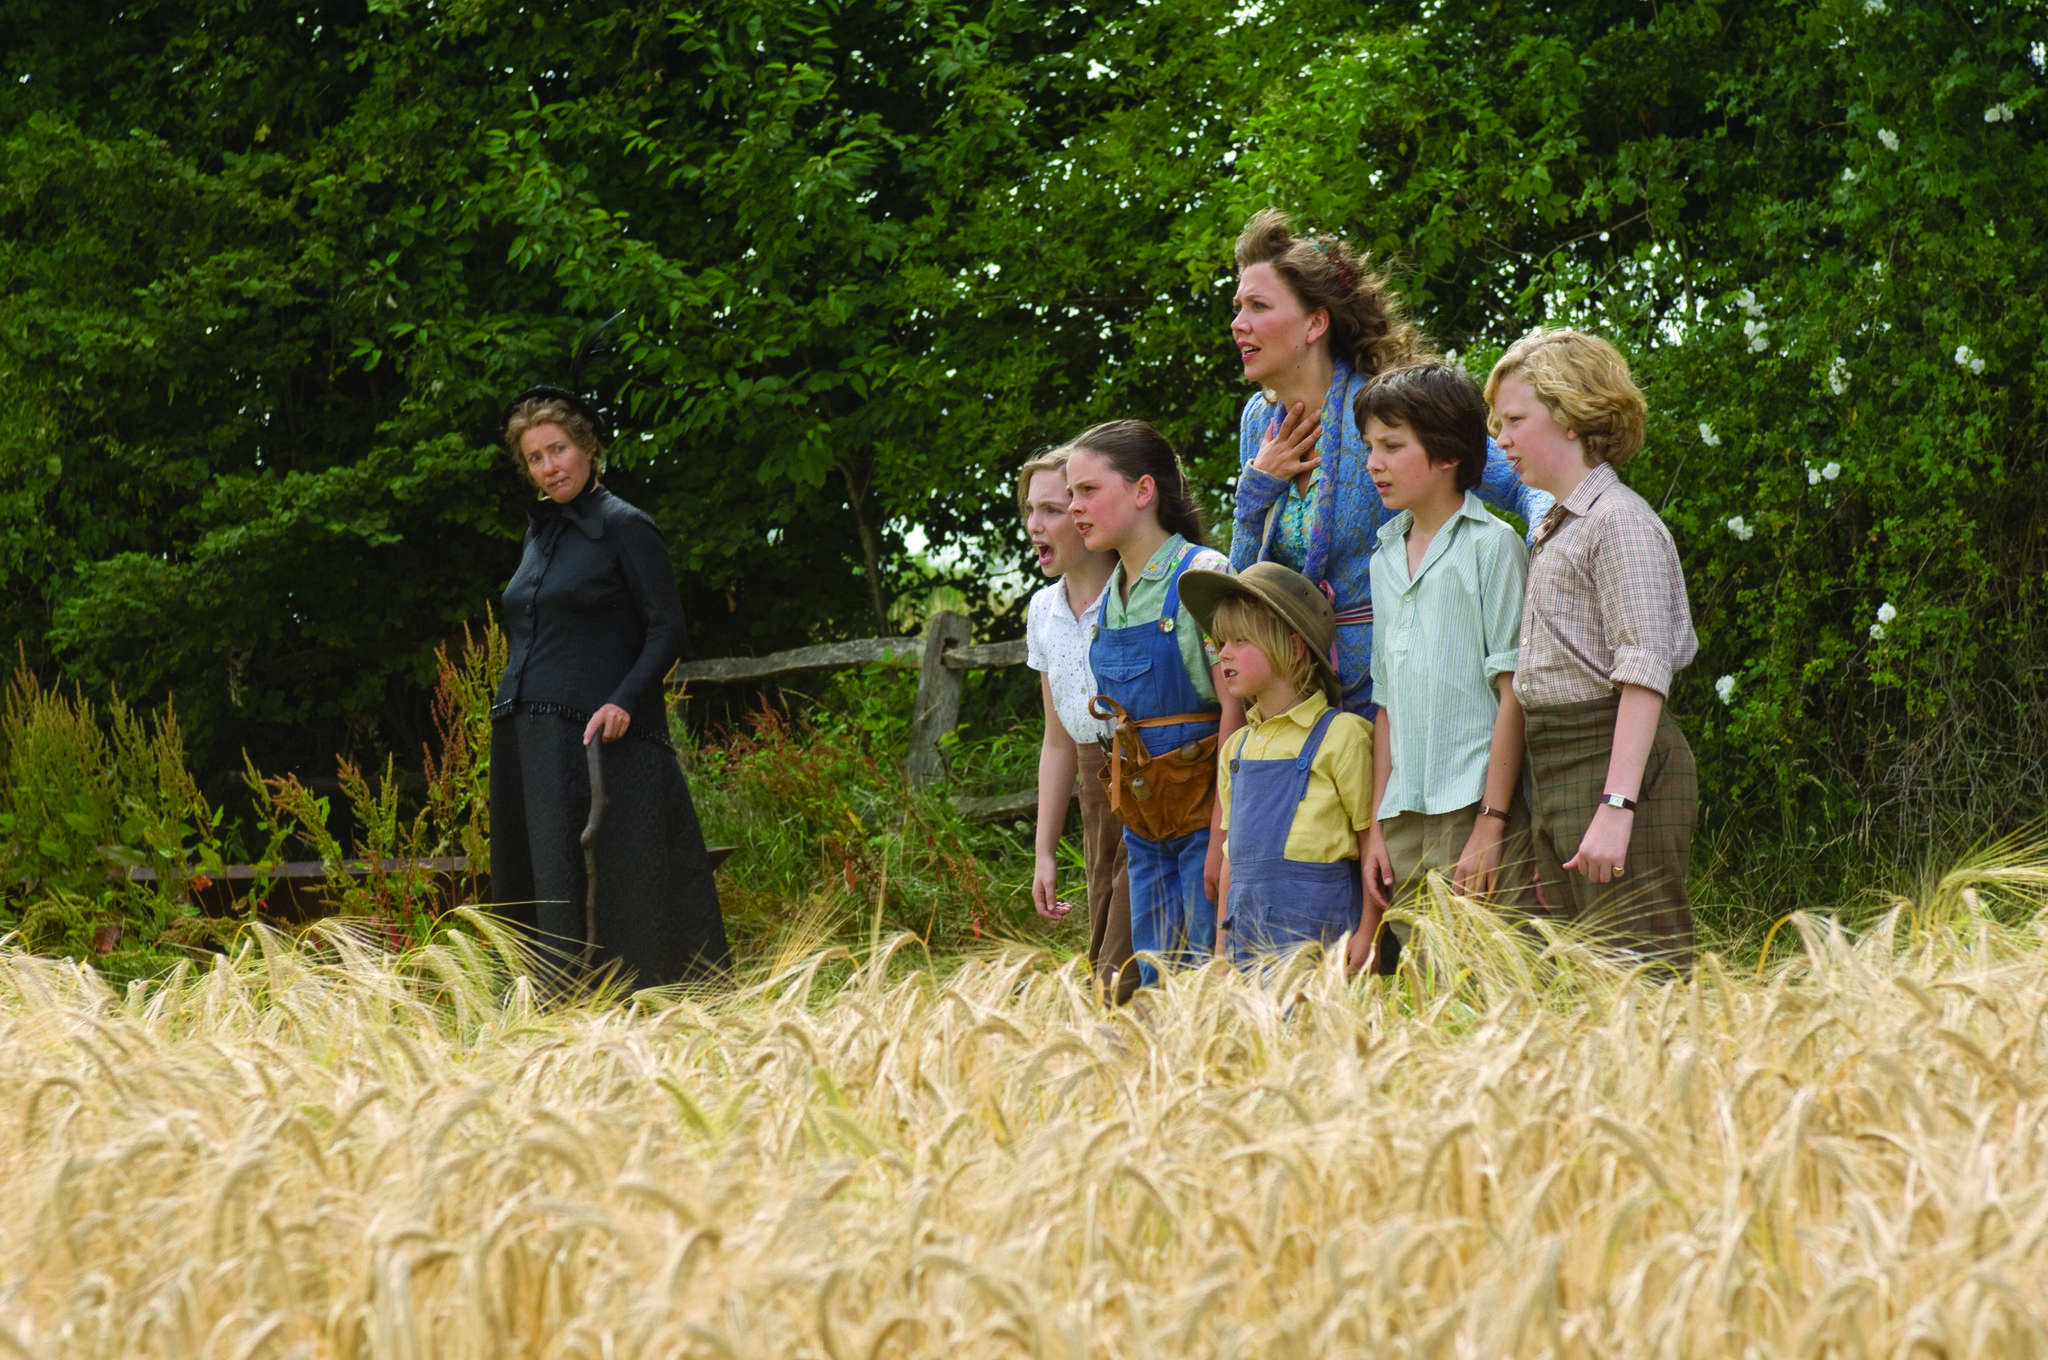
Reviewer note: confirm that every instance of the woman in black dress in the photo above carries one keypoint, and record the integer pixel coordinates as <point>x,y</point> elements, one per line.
<point>595,622</point>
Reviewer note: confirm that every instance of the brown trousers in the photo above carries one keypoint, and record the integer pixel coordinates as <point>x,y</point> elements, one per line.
<point>1109,886</point>
<point>1421,842</point>
<point>1645,912</point>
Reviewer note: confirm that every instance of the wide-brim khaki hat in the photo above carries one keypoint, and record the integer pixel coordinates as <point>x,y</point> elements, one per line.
<point>1296,599</point>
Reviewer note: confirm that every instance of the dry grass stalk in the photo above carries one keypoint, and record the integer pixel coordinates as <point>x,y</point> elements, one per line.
<point>333,1153</point>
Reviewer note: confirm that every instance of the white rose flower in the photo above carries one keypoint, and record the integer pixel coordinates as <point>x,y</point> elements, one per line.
<point>1746,300</point>
<point>1877,632</point>
<point>1848,175</point>
<point>1831,471</point>
<point>1885,612</point>
<point>1838,376</point>
<point>1963,356</point>
<point>1998,113</point>
<point>1812,475</point>
<point>1873,6</point>
<point>1725,687</point>
<point>1755,331</point>
<point>1889,138</point>
<point>1708,437</point>
<point>1976,365</point>
<point>1741,528</point>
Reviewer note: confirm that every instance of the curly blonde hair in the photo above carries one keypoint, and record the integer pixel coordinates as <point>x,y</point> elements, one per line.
<point>1585,385</point>
<point>1369,325</point>
<point>542,411</point>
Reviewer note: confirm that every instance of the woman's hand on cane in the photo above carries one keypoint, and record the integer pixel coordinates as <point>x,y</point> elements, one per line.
<point>611,720</point>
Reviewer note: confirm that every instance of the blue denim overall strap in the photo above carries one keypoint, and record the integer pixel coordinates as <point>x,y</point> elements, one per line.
<point>1275,901</point>
<point>1139,666</point>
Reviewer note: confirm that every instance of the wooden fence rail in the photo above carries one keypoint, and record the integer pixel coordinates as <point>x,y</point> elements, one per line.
<point>943,657</point>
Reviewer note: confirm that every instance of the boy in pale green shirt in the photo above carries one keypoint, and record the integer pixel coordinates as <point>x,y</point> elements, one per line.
<point>1447,584</point>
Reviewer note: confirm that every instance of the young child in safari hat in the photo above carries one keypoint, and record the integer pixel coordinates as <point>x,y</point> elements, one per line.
<point>1293,781</point>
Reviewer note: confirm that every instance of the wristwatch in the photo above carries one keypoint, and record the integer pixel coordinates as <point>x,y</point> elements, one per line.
<point>1615,800</point>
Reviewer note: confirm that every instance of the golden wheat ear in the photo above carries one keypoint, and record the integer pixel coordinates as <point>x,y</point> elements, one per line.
<point>1517,1145</point>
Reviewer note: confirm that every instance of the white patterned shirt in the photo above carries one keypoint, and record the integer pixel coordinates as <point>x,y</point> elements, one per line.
<point>1056,643</point>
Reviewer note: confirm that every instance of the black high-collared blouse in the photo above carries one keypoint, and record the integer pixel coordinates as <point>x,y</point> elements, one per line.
<point>592,614</point>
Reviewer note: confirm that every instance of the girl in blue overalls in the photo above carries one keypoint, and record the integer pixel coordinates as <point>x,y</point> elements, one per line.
<point>1293,781</point>
<point>1129,496</point>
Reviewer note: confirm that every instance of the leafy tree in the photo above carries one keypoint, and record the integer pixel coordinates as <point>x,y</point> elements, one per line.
<point>266,277</point>
<point>265,291</point>
<point>1806,224</point>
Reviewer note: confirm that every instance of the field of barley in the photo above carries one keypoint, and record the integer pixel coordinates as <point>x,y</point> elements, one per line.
<point>319,1149</point>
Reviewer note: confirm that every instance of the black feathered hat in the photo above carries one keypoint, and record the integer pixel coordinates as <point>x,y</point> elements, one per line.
<point>596,346</point>
<point>582,406</point>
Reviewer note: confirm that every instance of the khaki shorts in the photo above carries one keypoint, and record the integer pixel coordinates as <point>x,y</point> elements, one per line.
<point>1421,842</point>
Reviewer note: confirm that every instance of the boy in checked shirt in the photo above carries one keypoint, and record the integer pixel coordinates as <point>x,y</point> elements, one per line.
<point>1605,626</point>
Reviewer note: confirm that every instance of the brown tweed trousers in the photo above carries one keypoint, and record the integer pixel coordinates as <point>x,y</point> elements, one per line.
<point>1646,911</point>
<point>1109,884</point>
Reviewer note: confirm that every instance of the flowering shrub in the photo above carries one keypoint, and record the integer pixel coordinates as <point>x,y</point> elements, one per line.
<point>1810,236</point>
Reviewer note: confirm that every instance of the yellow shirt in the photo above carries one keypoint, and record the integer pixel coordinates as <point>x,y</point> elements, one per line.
<point>1337,804</point>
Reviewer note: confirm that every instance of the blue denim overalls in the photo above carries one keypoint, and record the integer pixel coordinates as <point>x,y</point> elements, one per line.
<point>1275,901</point>
<point>1140,667</point>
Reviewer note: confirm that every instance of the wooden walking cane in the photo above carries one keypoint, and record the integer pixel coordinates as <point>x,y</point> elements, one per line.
<point>594,758</point>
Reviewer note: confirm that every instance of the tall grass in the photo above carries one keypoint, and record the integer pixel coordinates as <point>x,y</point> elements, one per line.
<point>834,844</point>
<point>321,1150</point>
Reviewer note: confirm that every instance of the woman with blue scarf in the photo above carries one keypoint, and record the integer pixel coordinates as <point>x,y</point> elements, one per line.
<point>1314,329</point>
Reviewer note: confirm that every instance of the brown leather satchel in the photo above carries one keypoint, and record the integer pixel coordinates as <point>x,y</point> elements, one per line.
<point>1162,797</point>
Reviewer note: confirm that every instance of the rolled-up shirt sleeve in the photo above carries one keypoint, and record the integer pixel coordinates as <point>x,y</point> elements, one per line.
<point>1641,591</point>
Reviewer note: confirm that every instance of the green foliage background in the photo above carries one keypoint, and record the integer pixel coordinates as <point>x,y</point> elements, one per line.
<point>267,273</point>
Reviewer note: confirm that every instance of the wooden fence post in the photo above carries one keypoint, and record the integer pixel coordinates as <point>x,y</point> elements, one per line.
<point>947,657</point>
<point>938,697</point>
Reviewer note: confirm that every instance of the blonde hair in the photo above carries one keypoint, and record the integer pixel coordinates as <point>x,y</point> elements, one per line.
<point>1584,383</point>
<point>1242,618</point>
<point>537,411</point>
<point>1052,460</point>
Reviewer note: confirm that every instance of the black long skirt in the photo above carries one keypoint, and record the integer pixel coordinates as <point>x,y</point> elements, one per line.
<point>657,906</point>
